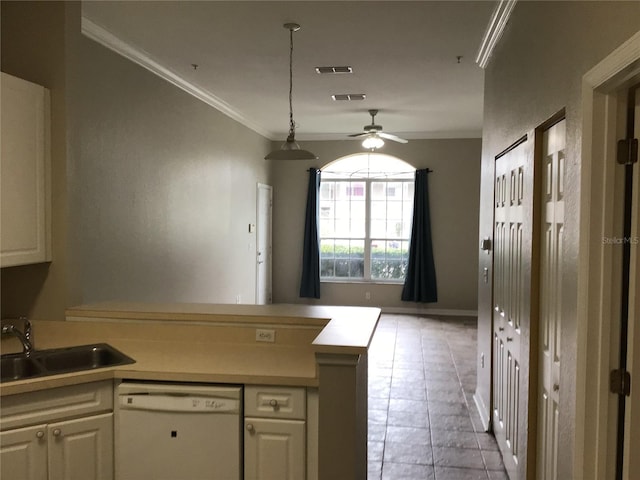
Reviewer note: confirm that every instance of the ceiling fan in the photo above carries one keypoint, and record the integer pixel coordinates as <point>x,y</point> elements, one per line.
<point>374,135</point>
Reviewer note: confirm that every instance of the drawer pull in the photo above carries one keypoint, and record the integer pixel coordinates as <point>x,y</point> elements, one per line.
<point>273,402</point>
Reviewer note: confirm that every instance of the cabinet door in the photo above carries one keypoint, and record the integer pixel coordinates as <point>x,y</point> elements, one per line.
<point>82,449</point>
<point>274,449</point>
<point>24,173</point>
<point>23,453</point>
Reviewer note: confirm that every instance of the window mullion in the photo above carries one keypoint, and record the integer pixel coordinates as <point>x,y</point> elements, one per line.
<point>367,231</point>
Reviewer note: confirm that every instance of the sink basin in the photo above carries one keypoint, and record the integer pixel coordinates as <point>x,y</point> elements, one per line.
<point>82,358</point>
<point>60,360</point>
<point>17,367</point>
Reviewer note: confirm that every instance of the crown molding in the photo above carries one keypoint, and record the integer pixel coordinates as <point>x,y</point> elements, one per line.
<point>106,38</point>
<point>496,26</point>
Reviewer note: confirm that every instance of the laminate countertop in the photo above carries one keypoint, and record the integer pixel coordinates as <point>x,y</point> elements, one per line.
<point>204,342</point>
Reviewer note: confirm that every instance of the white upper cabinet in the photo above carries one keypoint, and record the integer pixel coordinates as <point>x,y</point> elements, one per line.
<point>25,198</point>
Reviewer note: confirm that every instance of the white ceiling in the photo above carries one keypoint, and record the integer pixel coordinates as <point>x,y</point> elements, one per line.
<point>403,54</point>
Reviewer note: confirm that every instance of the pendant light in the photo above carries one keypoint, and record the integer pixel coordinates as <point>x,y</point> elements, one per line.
<point>290,150</point>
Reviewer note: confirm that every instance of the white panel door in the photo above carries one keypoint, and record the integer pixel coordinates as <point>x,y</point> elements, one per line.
<point>23,453</point>
<point>550,303</point>
<point>82,449</point>
<point>263,244</point>
<point>513,227</point>
<point>274,449</point>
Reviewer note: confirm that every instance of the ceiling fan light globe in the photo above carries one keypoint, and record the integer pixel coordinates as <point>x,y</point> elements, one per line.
<point>372,142</point>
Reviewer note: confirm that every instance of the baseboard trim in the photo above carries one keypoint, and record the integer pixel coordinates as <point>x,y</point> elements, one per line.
<point>430,311</point>
<point>482,411</point>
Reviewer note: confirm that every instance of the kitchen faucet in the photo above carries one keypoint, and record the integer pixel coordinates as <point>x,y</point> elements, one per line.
<point>26,337</point>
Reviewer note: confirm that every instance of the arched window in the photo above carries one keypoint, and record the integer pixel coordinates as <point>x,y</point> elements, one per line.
<point>366,206</point>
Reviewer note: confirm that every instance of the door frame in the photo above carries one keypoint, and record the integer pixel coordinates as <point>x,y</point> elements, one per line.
<point>259,229</point>
<point>597,339</point>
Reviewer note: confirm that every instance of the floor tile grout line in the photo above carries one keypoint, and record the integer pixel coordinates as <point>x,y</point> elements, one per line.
<point>386,422</point>
<point>466,402</point>
<point>426,393</point>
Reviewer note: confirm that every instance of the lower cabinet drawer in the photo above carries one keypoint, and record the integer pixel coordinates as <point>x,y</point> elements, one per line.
<point>56,404</point>
<point>275,402</point>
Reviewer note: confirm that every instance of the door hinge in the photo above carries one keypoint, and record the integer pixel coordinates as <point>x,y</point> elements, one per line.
<point>627,151</point>
<point>620,382</point>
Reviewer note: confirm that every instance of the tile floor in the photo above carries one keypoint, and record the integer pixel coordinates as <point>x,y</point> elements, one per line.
<point>423,424</point>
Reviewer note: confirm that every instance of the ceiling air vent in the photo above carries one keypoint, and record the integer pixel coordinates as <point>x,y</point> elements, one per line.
<point>349,96</point>
<point>333,70</point>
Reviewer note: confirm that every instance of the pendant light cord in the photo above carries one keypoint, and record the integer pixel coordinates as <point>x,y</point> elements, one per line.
<point>292,128</point>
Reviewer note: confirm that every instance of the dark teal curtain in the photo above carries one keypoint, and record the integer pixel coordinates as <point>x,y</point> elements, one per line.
<point>420,281</point>
<point>310,283</point>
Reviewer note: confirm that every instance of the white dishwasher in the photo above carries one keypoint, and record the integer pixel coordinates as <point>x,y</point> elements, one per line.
<point>178,432</point>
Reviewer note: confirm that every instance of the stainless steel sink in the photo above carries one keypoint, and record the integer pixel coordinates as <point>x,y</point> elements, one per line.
<point>19,366</point>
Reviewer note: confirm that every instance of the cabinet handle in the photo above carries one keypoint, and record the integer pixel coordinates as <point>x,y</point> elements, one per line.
<point>39,434</point>
<point>556,387</point>
<point>273,402</point>
<point>509,339</point>
<point>501,329</point>
<point>250,427</point>
<point>57,432</point>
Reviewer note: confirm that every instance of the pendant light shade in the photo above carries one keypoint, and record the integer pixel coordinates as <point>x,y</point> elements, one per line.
<point>290,150</point>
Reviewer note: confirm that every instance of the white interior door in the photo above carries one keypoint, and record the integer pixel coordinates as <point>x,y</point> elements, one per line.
<point>550,303</point>
<point>263,244</point>
<point>513,236</point>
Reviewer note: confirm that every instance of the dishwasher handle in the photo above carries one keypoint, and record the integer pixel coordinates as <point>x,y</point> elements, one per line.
<point>178,403</point>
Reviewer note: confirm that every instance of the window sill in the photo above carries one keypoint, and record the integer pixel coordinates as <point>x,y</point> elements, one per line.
<point>364,282</point>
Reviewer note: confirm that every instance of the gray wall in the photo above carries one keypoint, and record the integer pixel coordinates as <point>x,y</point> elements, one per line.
<point>535,71</point>
<point>159,187</point>
<point>454,195</point>
<point>153,190</point>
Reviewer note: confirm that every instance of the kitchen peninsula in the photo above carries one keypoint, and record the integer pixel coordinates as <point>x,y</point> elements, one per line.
<point>321,350</point>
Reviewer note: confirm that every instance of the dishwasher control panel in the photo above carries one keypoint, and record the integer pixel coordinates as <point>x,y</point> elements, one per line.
<point>178,403</point>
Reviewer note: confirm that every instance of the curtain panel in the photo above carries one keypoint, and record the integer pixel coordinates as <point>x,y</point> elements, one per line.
<point>420,280</point>
<point>310,282</point>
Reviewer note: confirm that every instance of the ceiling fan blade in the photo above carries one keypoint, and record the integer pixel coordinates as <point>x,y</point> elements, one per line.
<point>363,134</point>
<point>393,138</point>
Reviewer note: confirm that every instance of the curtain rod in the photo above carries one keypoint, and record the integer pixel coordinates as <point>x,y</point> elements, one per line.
<point>429,170</point>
